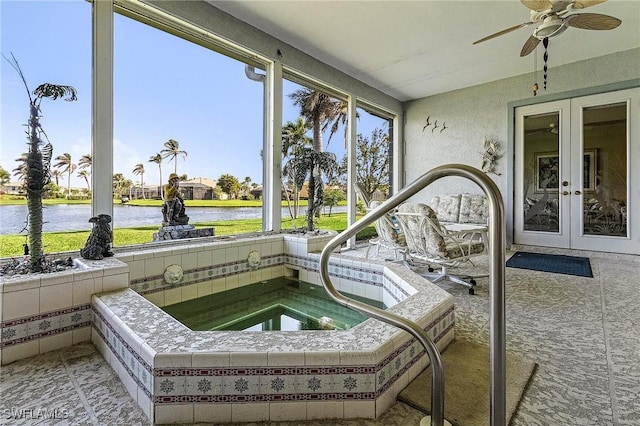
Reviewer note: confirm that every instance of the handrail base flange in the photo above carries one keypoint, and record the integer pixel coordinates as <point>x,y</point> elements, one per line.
<point>426,421</point>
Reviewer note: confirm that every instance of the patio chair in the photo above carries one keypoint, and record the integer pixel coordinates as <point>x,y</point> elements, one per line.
<point>389,233</point>
<point>428,242</point>
<point>390,236</point>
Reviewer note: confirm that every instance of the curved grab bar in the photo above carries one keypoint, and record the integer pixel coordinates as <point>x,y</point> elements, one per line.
<point>496,285</point>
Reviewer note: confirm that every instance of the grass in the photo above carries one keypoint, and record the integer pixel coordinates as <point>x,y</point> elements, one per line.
<point>55,242</point>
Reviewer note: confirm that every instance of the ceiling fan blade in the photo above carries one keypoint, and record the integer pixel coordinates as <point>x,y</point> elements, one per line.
<point>592,21</point>
<point>539,5</point>
<point>582,4</point>
<point>529,46</point>
<point>508,30</point>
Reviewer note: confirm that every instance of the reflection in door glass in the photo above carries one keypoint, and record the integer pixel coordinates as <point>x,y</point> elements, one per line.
<point>541,173</point>
<point>605,170</point>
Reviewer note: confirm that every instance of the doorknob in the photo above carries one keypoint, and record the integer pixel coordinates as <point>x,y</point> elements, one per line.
<point>577,192</point>
<point>565,192</point>
<point>565,183</point>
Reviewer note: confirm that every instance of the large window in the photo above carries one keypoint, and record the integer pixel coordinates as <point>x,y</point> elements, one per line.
<point>51,42</point>
<point>314,121</point>
<point>182,108</point>
<point>374,154</point>
<point>185,102</point>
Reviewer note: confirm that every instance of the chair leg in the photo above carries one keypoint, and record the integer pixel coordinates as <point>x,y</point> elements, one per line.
<point>465,280</point>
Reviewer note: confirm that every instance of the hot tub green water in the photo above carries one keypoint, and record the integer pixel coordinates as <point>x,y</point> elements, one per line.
<point>280,304</point>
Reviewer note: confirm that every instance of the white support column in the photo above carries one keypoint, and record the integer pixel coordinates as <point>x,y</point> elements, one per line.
<point>272,149</point>
<point>398,177</point>
<point>102,108</point>
<point>351,165</point>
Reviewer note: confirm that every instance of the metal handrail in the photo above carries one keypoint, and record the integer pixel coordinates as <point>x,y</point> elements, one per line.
<point>496,288</point>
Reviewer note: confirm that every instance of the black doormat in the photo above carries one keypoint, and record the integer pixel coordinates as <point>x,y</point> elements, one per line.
<point>559,264</point>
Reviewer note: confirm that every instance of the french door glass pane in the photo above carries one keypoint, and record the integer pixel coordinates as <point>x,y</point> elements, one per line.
<point>541,173</point>
<point>605,170</point>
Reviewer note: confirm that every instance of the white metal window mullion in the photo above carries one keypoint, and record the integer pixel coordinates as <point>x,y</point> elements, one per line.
<point>102,107</point>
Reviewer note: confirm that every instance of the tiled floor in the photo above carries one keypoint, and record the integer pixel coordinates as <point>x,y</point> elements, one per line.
<point>583,332</point>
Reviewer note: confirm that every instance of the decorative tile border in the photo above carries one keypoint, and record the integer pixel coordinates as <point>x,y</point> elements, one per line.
<point>310,262</point>
<point>223,385</point>
<point>154,284</point>
<point>137,368</point>
<point>24,329</point>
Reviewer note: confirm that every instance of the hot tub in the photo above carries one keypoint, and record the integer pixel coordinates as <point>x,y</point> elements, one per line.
<point>182,376</point>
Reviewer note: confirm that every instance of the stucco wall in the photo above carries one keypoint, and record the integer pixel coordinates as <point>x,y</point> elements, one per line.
<point>472,113</point>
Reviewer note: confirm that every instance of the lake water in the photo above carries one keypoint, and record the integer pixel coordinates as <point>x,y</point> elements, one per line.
<point>75,217</point>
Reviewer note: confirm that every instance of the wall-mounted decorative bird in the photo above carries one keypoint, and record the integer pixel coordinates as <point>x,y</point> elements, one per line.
<point>428,123</point>
<point>434,125</point>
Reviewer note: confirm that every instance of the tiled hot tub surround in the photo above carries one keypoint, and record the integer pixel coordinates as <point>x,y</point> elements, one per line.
<point>44,312</point>
<point>179,375</point>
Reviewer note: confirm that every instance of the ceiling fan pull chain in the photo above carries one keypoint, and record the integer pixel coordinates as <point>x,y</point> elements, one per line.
<point>545,43</point>
<point>535,72</point>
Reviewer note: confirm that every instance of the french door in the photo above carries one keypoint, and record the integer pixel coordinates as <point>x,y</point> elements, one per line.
<point>577,173</point>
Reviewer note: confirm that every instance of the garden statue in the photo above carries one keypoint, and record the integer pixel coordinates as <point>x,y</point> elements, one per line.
<point>98,245</point>
<point>173,207</point>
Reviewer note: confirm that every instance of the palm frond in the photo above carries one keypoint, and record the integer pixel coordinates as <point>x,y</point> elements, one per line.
<point>14,64</point>
<point>55,91</point>
<point>47,154</point>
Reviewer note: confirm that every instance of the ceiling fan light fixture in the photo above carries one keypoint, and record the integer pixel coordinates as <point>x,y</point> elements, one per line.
<point>549,29</point>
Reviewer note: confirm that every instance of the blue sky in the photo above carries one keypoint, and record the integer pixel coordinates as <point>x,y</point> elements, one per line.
<point>164,88</point>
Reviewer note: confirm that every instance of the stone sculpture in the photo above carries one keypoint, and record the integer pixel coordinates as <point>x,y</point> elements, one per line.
<point>173,210</point>
<point>98,245</point>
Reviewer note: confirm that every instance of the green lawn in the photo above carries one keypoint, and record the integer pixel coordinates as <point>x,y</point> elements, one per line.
<point>54,242</point>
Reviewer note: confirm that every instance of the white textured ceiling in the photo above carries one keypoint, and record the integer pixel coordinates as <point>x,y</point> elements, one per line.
<point>413,49</point>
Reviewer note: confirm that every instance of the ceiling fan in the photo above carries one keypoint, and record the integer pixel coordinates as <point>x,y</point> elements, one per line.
<point>553,18</point>
<point>553,128</point>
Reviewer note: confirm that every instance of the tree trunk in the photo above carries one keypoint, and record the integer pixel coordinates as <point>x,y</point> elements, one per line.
<point>311,200</point>
<point>34,203</point>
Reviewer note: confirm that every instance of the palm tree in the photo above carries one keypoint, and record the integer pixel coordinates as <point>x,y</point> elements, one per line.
<point>121,185</point>
<point>86,161</point>
<point>305,163</point>
<point>320,110</point>
<point>158,160</point>
<point>56,175</point>
<point>294,138</point>
<point>21,170</point>
<point>65,165</point>
<point>244,186</point>
<point>38,159</point>
<point>139,170</point>
<point>85,175</point>
<point>171,151</point>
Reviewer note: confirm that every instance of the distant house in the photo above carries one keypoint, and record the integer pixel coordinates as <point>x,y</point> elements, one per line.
<point>150,192</point>
<point>199,188</point>
<point>205,181</point>
<point>196,191</point>
<point>13,188</point>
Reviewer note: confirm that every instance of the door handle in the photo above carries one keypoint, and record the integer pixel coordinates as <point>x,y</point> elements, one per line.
<point>577,192</point>
<point>565,192</point>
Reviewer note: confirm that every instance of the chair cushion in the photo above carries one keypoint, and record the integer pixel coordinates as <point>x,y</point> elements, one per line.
<point>453,250</point>
<point>386,229</point>
<point>474,208</point>
<point>422,241</point>
<point>447,207</point>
